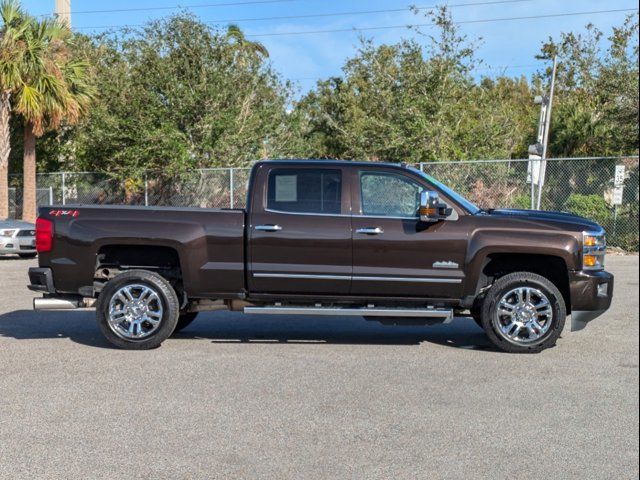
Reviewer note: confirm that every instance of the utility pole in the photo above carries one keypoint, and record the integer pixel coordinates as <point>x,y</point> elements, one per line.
<point>547,129</point>
<point>535,150</point>
<point>538,152</point>
<point>63,11</point>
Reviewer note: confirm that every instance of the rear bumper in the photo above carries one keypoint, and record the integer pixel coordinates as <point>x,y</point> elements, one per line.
<point>41,280</point>
<point>591,295</point>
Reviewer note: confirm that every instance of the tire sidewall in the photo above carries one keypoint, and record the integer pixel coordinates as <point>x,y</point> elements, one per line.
<point>168,298</point>
<point>524,279</point>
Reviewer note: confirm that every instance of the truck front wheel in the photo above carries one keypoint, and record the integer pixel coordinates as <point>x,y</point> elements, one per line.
<point>523,313</point>
<point>137,310</point>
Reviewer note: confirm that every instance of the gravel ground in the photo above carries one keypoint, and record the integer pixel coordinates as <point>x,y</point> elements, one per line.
<point>276,397</point>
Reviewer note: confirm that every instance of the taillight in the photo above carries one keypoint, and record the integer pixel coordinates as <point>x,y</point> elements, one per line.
<point>44,235</point>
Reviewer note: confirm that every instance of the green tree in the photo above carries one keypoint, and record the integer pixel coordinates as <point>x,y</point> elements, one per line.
<point>51,87</point>
<point>596,110</point>
<point>56,90</point>
<point>412,102</point>
<point>14,24</point>
<point>178,95</point>
<point>255,50</point>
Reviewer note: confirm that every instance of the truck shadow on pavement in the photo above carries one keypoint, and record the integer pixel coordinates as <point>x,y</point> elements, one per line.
<point>227,327</point>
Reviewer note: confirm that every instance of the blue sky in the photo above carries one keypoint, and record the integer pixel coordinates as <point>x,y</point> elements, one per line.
<point>307,58</point>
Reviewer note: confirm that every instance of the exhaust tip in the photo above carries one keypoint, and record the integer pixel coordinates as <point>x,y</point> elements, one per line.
<point>55,304</point>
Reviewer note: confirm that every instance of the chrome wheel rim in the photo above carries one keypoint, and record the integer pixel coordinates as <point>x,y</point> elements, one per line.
<point>135,312</point>
<point>523,315</point>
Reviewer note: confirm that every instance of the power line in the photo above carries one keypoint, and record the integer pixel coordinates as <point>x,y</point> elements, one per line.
<point>487,20</point>
<point>506,67</point>
<point>329,14</point>
<point>477,69</point>
<point>181,7</point>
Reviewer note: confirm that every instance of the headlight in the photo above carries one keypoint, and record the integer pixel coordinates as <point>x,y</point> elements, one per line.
<point>594,250</point>
<point>7,233</point>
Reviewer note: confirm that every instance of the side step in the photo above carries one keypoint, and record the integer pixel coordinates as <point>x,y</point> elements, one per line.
<point>446,315</point>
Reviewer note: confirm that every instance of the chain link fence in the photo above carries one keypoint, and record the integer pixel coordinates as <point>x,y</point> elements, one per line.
<point>585,186</point>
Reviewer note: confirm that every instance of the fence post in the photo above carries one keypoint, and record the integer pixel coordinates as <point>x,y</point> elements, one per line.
<point>50,195</point>
<point>64,188</point>
<point>231,203</point>
<point>146,190</point>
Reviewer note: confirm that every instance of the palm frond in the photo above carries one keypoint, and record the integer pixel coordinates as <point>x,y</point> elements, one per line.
<point>12,15</point>
<point>29,102</point>
<point>49,86</point>
<point>234,31</point>
<point>260,49</point>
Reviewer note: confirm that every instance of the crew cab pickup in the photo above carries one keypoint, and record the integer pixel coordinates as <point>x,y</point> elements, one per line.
<point>383,241</point>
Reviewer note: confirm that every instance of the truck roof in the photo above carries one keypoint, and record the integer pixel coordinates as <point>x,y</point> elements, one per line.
<point>332,162</point>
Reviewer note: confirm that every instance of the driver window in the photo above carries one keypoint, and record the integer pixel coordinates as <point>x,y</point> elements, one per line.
<point>386,194</point>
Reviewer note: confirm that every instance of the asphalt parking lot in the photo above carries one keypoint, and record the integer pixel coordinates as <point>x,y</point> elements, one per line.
<point>251,397</point>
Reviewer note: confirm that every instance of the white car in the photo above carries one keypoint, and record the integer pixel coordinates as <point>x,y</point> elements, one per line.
<point>18,238</point>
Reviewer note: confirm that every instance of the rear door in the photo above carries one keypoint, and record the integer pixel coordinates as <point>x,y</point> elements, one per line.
<point>394,254</point>
<point>299,231</point>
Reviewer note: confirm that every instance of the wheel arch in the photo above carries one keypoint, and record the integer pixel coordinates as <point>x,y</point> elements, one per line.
<point>113,259</point>
<point>552,267</point>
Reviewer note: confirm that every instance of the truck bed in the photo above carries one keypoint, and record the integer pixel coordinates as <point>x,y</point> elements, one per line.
<point>209,244</point>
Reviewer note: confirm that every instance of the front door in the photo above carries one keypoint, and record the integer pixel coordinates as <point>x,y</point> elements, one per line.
<point>300,231</point>
<point>394,254</point>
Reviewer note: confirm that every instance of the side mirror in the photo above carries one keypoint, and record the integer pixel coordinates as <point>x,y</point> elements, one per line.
<point>432,209</point>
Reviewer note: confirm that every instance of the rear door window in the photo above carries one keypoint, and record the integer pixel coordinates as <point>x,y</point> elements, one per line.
<point>305,190</point>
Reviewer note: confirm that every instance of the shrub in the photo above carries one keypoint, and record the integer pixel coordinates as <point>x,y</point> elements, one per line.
<point>593,207</point>
<point>522,202</point>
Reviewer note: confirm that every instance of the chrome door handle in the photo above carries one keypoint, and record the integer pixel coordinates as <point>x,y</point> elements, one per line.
<point>268,228</point>
<point>370,231</point>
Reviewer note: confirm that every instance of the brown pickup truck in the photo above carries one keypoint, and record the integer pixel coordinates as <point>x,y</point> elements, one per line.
<point>382,241</point>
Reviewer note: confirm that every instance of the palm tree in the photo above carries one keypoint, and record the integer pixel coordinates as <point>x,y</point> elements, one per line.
<point>13,27</point>
<point>54,90</point>
<point>246,47</point>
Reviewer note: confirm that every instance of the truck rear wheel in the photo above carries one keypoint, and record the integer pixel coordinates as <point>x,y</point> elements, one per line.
<point>523,313</point>
<point>137,310</point>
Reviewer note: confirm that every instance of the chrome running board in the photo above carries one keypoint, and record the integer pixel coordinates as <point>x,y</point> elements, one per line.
<point>445,314</point>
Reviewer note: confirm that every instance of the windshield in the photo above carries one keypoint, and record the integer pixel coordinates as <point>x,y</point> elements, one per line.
<point>456,197</point>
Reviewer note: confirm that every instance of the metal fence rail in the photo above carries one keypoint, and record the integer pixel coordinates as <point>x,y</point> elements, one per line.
<point>586,186</point>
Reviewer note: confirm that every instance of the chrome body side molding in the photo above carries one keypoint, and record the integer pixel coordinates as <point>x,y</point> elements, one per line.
<point>304,276</point>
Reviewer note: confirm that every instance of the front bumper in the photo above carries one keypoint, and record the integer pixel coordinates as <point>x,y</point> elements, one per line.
<point>591,295</point>
<point>15,245</point>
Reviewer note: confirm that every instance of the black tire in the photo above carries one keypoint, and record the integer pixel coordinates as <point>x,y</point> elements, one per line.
<point>27,255</point>
<point>185,320</point>
<point>502,287</point>
<point>476,311</point>
<point>166,295</point>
